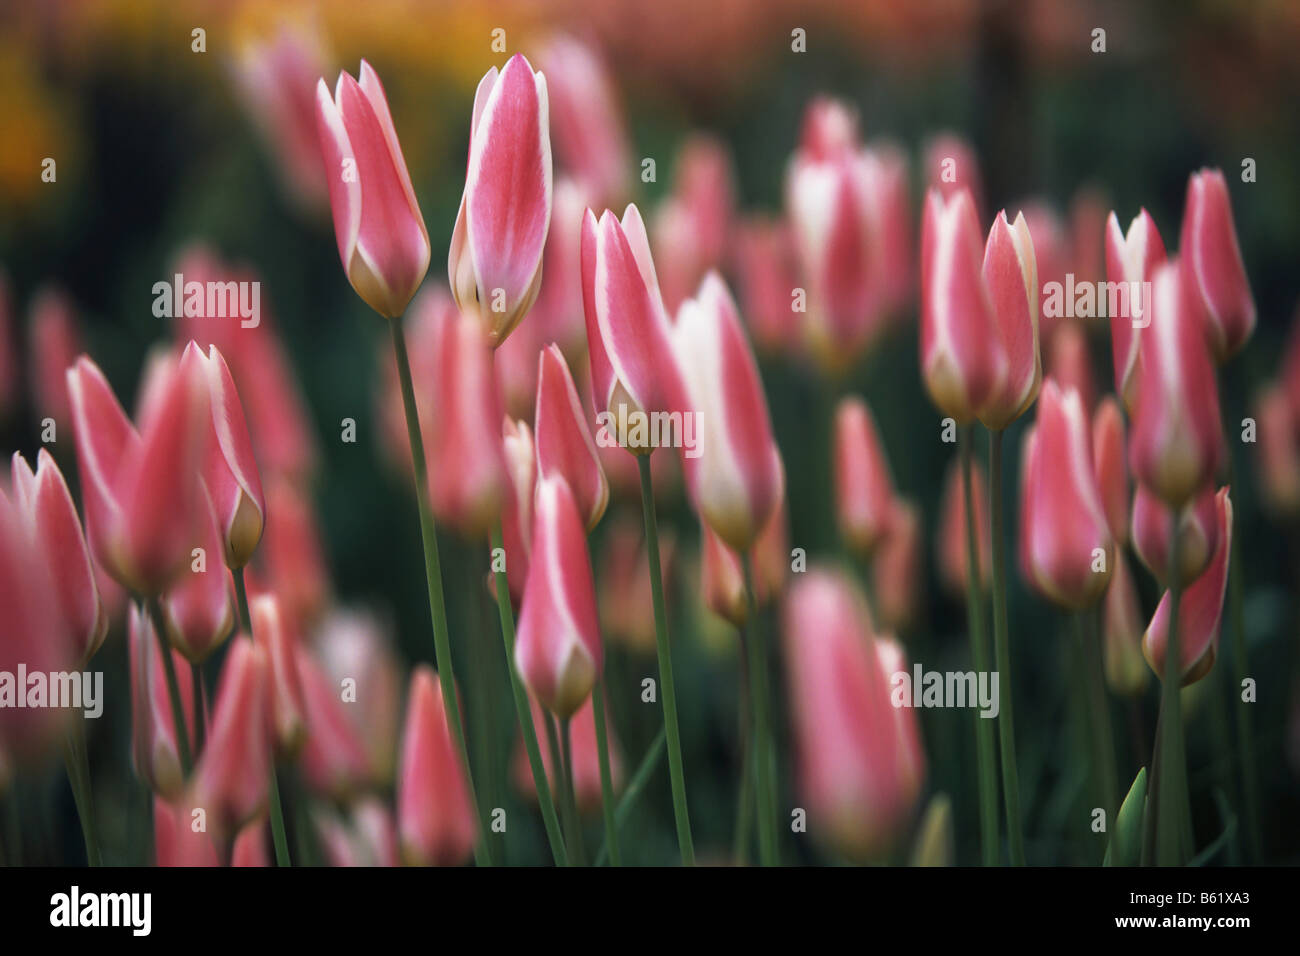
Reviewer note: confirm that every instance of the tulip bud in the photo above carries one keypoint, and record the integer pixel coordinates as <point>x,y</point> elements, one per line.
<point>1199,608</point>
<point>1070,363</point>
<point>1112,471</point>
<point>734,476</point>
<point>722,580</point>
<point>517,512</point>
<point>334,759</point>
<point>771,551</point>
<point>692,225</point>
<point>1131,258</point>
<point>495,264</point>
<point>44,497</point>
<point>1279,452</point>
<point>368,837</point>
<point>463,427</point>
<point>558,651</point>
<point>1176,442</point>
<point>382,241</point>
<point>355,649</point>
<point>864,491</point>
<point>586,759</point>
<point>565,447</point>
<point>962,363</point>
<point>435,822</point>
<point>292,554</point>
<point>634,371</point>
<point>1067,550</point>
<point>951,544</point>
<point>1197,530</point>
<point>896,569</point>
<point>153,731</point>
<point>175,841</point>
<point>1126,672</point>
<point>1211,259</point>
<point>860,765</point>
<point>951,167</point>
<point>197,609</point>
<point>230,780</point>
<point>229,468</point>
<point>285,703</point>
<point>1011,277</point>
<point>766,274</point>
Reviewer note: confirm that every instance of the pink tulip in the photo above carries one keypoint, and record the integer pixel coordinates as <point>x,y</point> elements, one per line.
<point>1199,608</point>
<point>860,765</point>
<point>1211,259</point>
<point>1067,549</point>
<point>230,780</point>
<point>962,364</point>
<point>229,468</point>
<point>634,370</point>
<point>197,609</point>
<point>175,841</point>
<point>1131,257</point>
<point>771,551</point>
<point>33,633</point>
<point>1279,452</point>
<point>951,166</point>
<point>565,447</point>
<point>559,651</point>
<point>1176,442</point>
<point>1112,469</point>
<point>357,646</point>
<point>1126,672</point>
<point>334,758</point>
<point>140,488</point>
<point>1069,361</point>
<point>382,241</point>
<point>1011,277</point>
<point>765,271</point>
<point>864,491</point>
<point>462,432</point>
<point>1087,231</point>
<point>276,79</point>
<point>557,314</point>
<point>735,479</point>
<point>691,228</point>
<point>44,498</point>
<point>54,342</point>
<point>435,821</point>
<point>367,837</point>
<point>1197,530</point>
<point>587,122</point>
<point>586,759</point>
<point>896,569</point>
<point>517,513</point>
<point>951,543</point>
<point>722,580</point>
<point>292,554</point>
<point>153,731</point>
<point>495,263</point>
<point>284,702</point>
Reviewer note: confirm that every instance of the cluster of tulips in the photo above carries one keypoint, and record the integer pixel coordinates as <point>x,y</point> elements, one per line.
<point>554,313</point>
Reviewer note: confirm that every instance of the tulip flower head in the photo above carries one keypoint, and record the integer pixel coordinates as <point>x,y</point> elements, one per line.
<point>153,731</point>
<point>1112,470</point>
<point>1198,531</point>
<point>495,263</point>
<point>1211,258</point>
<point>1131,258</point>
<point>565,447</point>
<point>864,491</point>
<point>382,241</point>
<point>198,612</point>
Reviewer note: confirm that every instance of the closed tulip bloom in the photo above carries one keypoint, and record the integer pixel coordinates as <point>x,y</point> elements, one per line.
<point>864,491</point>
<point>1211,258</point>
<point>691,227</point>
<point>1126,671</point>
<point>462,432</point>
<point>1067,549</point>
<point>1176,440</point>
<point>1198,531</point>
<point>1131,257</point>
<point>1112,469</point>
<point>153,732</point>
<point>285,703</point>
<point>334,758</point>
<point>1279,452</point>
<point>735,479</point>
<point>197,609</point>
<point>43,496</point>
<point>860,765</point>
<point>229,468</point>
<point>952,166</point>
<point>896,569</point>
<point>771,551</point>
<point>382,241</point>
<point>364,834</point>
<point>559,652</point>
<point>292,553</point>
<point>140,488</point>
<point>435,822</point>
<point>55,342</point>
<point>951,543</point>
<point>357,645</point>
<point>634,370</point>
<point>765,270</point>
<point>33,634</point>
<point>1011,277</point>
<point>962,363</point>
<point>495,263</point>
<point>230,780</point>
<point>586,760</point>
<point>565,447</point>
<point>1200,607</point>
<point>722,580</point>
<point>517,512</point>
